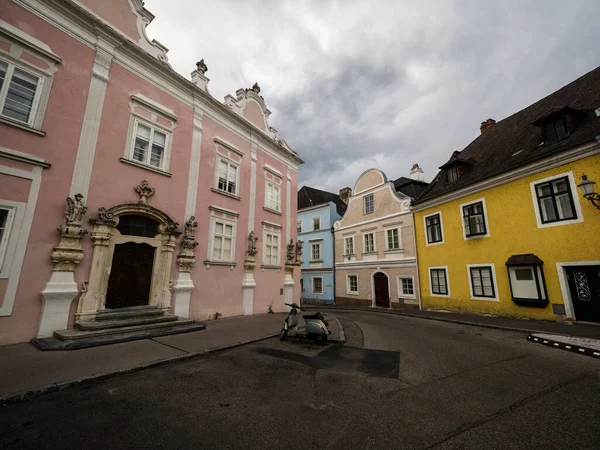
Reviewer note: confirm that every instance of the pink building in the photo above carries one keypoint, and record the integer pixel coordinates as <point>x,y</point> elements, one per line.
<point>166,199</point>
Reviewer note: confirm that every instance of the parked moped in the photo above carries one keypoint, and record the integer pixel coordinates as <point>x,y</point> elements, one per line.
<point>316,328</point>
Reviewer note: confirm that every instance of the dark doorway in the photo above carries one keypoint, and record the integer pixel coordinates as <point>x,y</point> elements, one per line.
<point>130,275</point>
<point>382,291</point>
<point>584,285</point>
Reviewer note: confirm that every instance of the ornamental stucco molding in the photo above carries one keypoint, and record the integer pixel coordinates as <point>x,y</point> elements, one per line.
<point>69,252</point>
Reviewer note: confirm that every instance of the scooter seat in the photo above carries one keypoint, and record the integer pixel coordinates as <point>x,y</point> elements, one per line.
<point>318,316</point>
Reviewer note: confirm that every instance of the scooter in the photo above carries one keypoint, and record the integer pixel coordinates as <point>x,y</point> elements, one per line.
<point>317,328</point>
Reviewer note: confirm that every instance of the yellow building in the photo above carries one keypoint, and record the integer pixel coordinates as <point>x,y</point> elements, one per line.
<point>503,228</point>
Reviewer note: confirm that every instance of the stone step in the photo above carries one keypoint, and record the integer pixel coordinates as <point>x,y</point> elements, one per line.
<point>75,333</point>
<point>182,326</point>
<point>132,311</point>
<point>124,322</point>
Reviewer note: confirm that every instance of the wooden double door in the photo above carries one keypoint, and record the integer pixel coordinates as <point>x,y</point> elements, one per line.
<point>584,286</point>
<point>130,275</point>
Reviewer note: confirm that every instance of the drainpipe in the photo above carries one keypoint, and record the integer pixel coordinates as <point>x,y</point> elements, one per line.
<point>333,265</point>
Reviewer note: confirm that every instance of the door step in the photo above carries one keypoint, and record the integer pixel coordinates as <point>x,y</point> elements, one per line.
<point>134,333</point>
<point>75,333</point>
<point>132,311</point>
<point>126,321</point>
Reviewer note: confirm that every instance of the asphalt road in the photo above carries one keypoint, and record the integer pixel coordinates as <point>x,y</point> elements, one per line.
<point>399,383</point>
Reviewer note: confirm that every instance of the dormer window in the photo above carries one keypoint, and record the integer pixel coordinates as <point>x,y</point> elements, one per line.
<point>555,131</point>
<point>452,174</point>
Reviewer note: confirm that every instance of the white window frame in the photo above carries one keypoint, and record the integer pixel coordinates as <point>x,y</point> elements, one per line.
<point>365,242</point>
<point>312,283</point>
<point>299,226</point>
<point>136,120</point>
<point>387,243</point>
<point>318,244</point>
<point>317,218</point>
<point>427,243</point>
<point>485,217</point>
<point>574,194</point>
<point>401,293</point>
<point>346,248</point>
<point>34,120</point>
<point>371,195</point>
<point>496,297</point>
<point>213,222</point>
<point>269,204</point>
<point>8,241</point>
<point>348,284</point>
<point>264,247</point>
<point>431,281</point>
<point>230,163</point>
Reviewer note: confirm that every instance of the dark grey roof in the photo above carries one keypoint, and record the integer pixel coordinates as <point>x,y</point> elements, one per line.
<point>514,142</point>
<point>308,197</point>
<point>410,187</point>
<point>528,259</point>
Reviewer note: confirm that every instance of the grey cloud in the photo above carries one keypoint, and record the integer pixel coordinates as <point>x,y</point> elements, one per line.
<point>359,84</point>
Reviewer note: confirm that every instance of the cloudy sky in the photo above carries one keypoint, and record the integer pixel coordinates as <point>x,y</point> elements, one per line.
<point>360,84</point>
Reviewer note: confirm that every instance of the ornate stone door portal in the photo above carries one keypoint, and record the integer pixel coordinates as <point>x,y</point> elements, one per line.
<point>137,240</point>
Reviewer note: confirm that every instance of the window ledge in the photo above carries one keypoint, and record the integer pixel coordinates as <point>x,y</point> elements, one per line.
<point>145,166</point>
<point>407,297</point>
<point>226,194</point>
<point>369,253</point>
<point>208,263</point>
<point>267,266</point>
<point>349,254</point>
<point>351,293</point>
<point>22,126</point>
<point>395,250</point>
<point>272,210</point>
<point>316,261</point>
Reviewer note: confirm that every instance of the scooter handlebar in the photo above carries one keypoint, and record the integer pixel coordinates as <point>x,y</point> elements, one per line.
<point>293,305</point>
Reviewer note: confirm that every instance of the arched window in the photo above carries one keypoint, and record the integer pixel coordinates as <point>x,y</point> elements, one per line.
<point>132,225</point>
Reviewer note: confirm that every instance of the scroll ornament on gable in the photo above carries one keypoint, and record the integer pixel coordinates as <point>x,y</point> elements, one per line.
<point>69,251</point>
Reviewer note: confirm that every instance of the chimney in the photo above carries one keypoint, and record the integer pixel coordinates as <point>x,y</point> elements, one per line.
<point>416,173</point>
<point>486,125</point>
<point>345,193</point>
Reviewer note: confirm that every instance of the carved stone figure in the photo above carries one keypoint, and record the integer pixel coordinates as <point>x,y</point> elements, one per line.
<point>190,229</point>
<point>256,88</point>
<point>186,258</point>
<point>290,252</point>
<point>252,249</point>
<point>201,66</point>
<point>69,251</point>
<point>299,244</point>
<point>144,191</point>
<point>75,211</point>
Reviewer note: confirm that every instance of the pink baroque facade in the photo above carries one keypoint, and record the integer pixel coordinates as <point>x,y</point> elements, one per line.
<point>162,195</point>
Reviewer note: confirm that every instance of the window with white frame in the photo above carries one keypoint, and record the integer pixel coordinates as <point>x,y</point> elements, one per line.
<point>555,200</point>
<point>223,240</point>
<point>316,223</point>
<point>482,282</point>
<point>439,281</point>
<point>369,243</point>
<point>474,220</point>
<point>352,284</point>
<point>227,176</point>
<point>349,245</point>
<point>299,226</point>
<point>273,196</point>
<point>393,239</point>
<point>271,248</point>
<point>315,251</point>
<point>317,285</point>
<point>406,287</point>
<point>433,228</point>
<point>7,215</point>
<point>149,145</point>
<point>369,203</point>
<point>19,92</point>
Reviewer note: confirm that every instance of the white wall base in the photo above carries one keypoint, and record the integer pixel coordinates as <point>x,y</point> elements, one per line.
<point>182,288</point>
<point>58,294</point>
<point>248,293</point>
<point>288,290</point>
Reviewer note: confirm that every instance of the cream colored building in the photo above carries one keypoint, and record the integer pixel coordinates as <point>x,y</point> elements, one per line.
<point>375,252</point>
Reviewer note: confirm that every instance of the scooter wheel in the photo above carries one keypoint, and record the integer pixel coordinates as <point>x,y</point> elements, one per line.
<point>321,339</point>
<point>282,334</point>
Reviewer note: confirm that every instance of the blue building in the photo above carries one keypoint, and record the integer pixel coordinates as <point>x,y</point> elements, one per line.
<point>317,210</point>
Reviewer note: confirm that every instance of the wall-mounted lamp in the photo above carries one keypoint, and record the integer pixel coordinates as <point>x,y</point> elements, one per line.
<point>587,189</point>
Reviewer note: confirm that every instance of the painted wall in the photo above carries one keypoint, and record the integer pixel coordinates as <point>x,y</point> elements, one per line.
<point>513,230</point>
<point>328,215</point>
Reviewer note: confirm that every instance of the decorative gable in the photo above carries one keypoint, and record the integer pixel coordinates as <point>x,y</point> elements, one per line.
<point>250,105</point>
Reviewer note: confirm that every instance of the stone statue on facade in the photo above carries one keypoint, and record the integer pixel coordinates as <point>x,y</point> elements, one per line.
<point>252,249</point>
<point>201,66</point>
<point>290,252</point>
<point>69,251</point>
<point>75,211</point>
<point>299,244</point>
<point>186,258</point>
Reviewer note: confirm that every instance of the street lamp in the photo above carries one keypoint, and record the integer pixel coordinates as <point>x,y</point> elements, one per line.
<point>587,189</point>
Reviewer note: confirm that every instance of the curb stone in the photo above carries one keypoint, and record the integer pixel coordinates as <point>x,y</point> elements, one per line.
<point>29,394</point>
<point>571,347</point>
